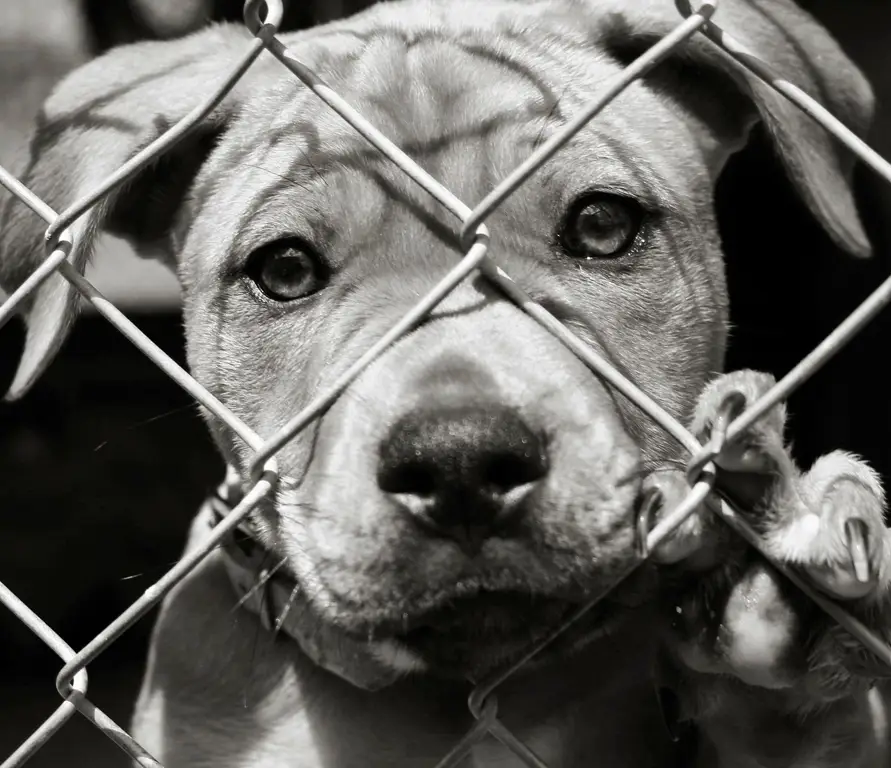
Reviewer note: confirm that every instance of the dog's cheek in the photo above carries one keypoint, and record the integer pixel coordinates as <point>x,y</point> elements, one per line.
<point>256,362</point>
<point>586,505</point>
<point>666,324</point>
<point>357,562</point>
<point>342,535</point>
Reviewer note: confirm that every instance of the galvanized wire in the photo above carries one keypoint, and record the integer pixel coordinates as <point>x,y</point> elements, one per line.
<point>71,681</point>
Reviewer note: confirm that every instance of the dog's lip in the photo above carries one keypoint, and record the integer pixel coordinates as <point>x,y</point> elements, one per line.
<point>479,630</point>
<point>472,601</point>
<point>478,635</point>
<point>488,613</point>
<point>481,610</point>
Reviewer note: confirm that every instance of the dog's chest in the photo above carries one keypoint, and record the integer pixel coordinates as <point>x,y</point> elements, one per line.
<point>547,742</point>
<point>598,731</point>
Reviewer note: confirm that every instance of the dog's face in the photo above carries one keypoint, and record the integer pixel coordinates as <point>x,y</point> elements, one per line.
<point>478,465</point>
<point>477,482</point>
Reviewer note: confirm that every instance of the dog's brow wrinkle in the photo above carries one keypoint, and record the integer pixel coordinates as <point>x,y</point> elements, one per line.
<point>435,91</point>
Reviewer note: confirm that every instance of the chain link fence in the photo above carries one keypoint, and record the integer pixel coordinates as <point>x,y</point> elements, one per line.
<point>694,19</point>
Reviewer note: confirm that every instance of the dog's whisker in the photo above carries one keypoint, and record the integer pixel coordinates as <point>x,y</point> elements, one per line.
<point>307,162</point>
<point>280,619</point>
<point>259,627</point>
<point>293,508</point>
<point>146,422</point>
<point>647,468</point>
<point>355,395</point>
<point>163,566</point>
<point>262,579</point>
<point>305,187</point>
<point>148,572</point>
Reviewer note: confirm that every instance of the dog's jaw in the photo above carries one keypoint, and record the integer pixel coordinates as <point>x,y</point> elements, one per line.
<point>462,638</point>
<point>469,615</point>
<point>476,637</point>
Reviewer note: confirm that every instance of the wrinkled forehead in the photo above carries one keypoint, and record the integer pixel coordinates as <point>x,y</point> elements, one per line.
<point>466,109</point>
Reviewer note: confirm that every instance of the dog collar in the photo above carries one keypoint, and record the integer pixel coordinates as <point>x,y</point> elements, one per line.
<point>263,587</point>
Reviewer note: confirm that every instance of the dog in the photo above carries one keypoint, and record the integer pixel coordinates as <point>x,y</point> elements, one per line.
<point>477,484</point>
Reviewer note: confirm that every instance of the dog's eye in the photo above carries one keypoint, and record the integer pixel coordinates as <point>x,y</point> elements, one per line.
<point>285,270</point>
<point>601,226</point>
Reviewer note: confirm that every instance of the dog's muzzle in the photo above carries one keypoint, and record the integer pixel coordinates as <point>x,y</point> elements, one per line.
<point>275,597</point>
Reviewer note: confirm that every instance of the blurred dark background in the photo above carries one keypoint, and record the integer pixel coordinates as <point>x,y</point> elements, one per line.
<point>104,463</point>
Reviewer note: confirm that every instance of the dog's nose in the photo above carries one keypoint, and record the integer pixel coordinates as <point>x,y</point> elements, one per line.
<point>462,472</point>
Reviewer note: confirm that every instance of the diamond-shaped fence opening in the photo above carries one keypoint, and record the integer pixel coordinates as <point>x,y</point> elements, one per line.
<point>693,19</point>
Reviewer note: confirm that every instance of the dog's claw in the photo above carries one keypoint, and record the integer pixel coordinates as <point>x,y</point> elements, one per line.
<point>847,556</point>
<point>695,538</point>
<point>742,458</point>
<point>760,449</point>
<point>731,406</point>
<point>857,533</point>
<point>651,504</point>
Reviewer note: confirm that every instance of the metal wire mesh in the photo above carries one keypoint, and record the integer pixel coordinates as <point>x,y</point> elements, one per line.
<point>71,681</point>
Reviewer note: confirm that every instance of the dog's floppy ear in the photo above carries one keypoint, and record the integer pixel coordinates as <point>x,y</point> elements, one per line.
<point>799,49</point>
<point>95,120</point>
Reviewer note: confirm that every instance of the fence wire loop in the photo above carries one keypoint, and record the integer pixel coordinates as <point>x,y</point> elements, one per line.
<point>729,409</point>
<point>58,239</point>
<point>706,8</point>
<point>271,22</point>
<point>476,734</point>
<point>241,494</point>
<point>58,250</point>
<point>649,505</point>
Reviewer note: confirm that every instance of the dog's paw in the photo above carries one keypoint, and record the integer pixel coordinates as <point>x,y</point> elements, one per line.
<point>841,541</point>
<point>756,468</point>
<point>734,615</point>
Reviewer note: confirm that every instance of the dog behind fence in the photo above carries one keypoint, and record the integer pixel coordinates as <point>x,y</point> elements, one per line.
<point>695,19</point>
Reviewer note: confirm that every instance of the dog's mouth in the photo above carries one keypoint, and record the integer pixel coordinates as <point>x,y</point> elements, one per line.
<point>429,606</point>
<point>471,636</point>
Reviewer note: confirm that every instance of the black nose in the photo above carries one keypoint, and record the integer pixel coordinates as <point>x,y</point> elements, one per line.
<point>464,471</point>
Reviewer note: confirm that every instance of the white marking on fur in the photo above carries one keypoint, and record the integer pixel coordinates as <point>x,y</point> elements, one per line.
<point>394,655</point>
<point>878,715</point>
<point>798,539</point>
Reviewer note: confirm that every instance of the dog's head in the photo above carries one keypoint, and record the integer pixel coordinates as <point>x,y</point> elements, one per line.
<point>477,481</point>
